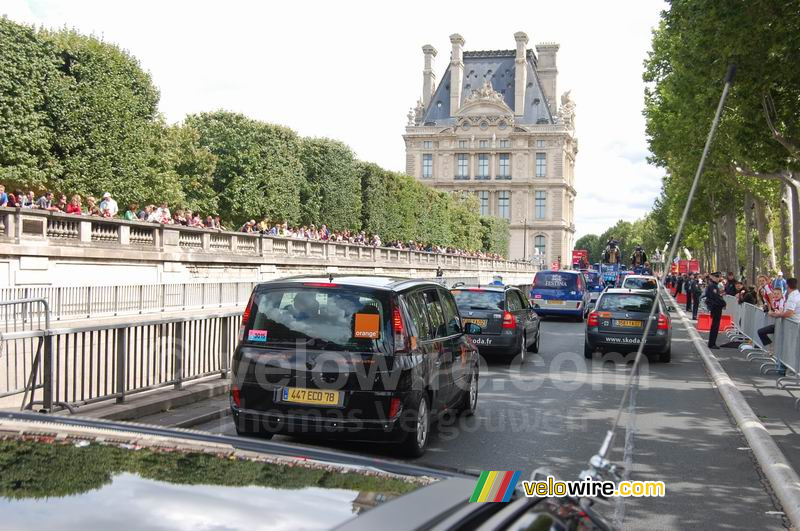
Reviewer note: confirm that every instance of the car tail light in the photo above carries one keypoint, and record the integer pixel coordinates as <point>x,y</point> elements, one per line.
<point>394,407</point>
<point>237,399</point>
<point>320,284</point>
<point>401,340</point>
<point>246,316</point>
<point>663,322</point>
<point>593,319</point>
<point>509,321</point>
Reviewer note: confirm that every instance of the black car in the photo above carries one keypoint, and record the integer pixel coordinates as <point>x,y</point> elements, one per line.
<point>509,324</point>
<point>364,358</point>
<point>618,321</point>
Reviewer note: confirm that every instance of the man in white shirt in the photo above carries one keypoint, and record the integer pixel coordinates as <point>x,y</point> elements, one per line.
<point>790,312</point>
<point>108,207</point>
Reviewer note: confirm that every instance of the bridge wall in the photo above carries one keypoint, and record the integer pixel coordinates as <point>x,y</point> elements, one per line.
<point>39,248</point>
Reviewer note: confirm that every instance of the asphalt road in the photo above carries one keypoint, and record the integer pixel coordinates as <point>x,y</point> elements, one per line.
<point>554,410</point>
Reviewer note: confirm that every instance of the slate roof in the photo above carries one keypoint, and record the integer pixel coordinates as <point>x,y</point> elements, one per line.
<point>497,66</point>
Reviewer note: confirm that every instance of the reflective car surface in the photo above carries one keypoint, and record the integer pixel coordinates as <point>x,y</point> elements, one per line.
<point>562,293</point>
<point>363,358</point>
<point>618,321</point>
<point>508,323</point>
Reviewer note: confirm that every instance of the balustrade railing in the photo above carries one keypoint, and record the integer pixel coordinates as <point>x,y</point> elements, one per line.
<point>30,225</point>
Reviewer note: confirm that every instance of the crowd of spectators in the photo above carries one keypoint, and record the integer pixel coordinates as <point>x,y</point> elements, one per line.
<point>107,207</point>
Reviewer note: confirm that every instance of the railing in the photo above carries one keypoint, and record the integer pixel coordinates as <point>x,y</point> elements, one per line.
<point>747,320</point>
<point>21,226</point>
<point>78,302</point>
<point>75,366</point>
<point>21,366</point>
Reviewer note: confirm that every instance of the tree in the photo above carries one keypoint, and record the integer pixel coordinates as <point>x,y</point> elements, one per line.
<point>28,77</point>
<point>591,243</point>
<point>258,170</point>
<point>331,191</point>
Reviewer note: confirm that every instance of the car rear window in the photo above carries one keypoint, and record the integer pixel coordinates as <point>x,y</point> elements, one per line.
<point>640,283</point>
<point>479,299</point>
<point>555,280</point>
<point>625,302</point>
<point>593,278</point>
<point>330,318</point>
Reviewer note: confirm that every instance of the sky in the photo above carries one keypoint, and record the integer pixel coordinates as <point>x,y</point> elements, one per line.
<point>350,70</point>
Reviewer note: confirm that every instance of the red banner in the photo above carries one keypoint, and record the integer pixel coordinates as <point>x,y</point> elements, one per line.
<point>694,266</point>
<point>577,254</point>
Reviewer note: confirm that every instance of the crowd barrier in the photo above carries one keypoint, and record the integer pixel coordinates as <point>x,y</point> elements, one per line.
<point>748,319</point>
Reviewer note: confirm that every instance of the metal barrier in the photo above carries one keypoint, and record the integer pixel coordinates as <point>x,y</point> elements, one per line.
<point>78,302</point>
<point>92,363</point>
<point>21,365</point>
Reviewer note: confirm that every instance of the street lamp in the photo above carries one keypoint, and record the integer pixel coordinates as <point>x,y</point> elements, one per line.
<point>753,236</point>
<point>525,238</point>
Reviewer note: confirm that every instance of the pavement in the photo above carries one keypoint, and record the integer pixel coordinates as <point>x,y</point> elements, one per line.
<point>554,410</point>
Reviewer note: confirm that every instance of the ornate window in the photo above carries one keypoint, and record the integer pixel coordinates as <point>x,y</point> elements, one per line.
<point>483,198</point>
<point>463,144</point>
<point>483,166</point>
<point>505,166</point>
<point>427,144</point>
<point>504,204</point>
<point>483,143</point>
<point>541,164</point>
<point>427,165</point>
<point>504,143</point>
<point>462,166</point>
<point>540,204</point>
<point>538,245</point>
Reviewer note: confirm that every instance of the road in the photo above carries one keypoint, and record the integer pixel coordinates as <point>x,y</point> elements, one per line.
<point>554,410</point>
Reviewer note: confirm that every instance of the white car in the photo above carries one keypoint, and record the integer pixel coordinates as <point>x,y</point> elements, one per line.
<point>640,282</point>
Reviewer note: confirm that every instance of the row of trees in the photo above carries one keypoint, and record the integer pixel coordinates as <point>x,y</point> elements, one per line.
<point>746,212</point>
<point>644,232</point>
<point>81,116</point>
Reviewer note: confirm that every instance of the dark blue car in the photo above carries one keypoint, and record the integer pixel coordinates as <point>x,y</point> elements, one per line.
<point>560,293</point>
<point>595,284</point>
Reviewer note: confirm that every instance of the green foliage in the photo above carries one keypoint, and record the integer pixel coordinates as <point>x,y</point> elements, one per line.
<point>79,115</point>
<point>331,191</point>
<point>28,76</point>
<point>258,170</point>
<point>591,243</point>
<point>40,470</point>
<point>495,236</point>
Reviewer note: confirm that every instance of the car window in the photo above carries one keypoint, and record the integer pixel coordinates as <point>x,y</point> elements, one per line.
<point>555,280</point>
<point>512,301</point>
<point>451,316</point>
<point>435,313</point>
<point>321,318</point>
<point>625,302</point>
<point>523,301</point>
<point>639,283</point>
<point>416,309</point>
<point>478,299</point>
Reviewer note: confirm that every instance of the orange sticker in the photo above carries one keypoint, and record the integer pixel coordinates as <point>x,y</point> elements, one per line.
<point>368,326</point>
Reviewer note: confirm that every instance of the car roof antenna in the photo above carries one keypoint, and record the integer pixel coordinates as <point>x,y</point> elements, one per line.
<point>330,278</point>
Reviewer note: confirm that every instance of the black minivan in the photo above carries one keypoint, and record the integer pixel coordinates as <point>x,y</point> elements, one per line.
<point>360,357</point>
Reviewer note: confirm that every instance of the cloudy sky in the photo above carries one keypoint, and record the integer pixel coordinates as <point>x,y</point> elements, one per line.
<point>350,70</point>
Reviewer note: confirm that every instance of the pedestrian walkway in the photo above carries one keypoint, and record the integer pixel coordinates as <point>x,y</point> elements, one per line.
<point>774,407</point>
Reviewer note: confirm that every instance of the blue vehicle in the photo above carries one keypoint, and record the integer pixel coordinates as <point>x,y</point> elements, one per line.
<point>595,284</point>
<point>560,293</point>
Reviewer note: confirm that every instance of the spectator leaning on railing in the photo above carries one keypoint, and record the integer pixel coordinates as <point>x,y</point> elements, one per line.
<point>780,309</point>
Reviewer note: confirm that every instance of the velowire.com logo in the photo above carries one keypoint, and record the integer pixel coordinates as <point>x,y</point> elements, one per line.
<point>495,486</point>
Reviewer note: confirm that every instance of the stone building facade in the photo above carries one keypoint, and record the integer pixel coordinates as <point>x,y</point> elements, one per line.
<point>493,127</point>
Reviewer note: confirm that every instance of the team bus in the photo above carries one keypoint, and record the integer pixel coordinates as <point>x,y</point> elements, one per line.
<point>560,293</point>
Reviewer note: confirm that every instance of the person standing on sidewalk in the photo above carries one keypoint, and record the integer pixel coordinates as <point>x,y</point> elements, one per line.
<point>715,305</point>
<point>689,292</point>
<point>790,311</point>
<point>695,291</point>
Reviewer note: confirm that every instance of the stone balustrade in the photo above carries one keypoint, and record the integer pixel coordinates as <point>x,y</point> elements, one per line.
<point>30,232</point>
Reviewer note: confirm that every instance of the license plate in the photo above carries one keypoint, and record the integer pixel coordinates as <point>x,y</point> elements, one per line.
<point>479,322</point>
<point>299,395</point>
<point>624,323</point>
<point>555,302</point>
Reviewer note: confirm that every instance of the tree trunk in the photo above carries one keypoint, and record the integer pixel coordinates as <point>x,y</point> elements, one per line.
<point>749,249</point>
<point>766,258</point>
<point>785,248</point>
<point>795,188</point>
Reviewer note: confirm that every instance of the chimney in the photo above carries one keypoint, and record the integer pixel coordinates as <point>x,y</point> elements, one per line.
<point>428,77</point>
<point>456,72</point>
<point>520,73</point>
<point>548,72</point>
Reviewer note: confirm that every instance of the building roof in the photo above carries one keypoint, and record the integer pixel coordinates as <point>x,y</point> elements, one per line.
<point>498,67</point>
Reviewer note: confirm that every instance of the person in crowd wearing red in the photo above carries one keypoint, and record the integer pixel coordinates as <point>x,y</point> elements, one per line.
<point>74,206</point>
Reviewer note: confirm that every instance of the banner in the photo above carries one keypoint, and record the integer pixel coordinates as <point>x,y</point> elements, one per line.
<point>577,254</point>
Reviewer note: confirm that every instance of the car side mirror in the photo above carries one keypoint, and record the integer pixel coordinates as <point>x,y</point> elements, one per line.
<point>472,329</point>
